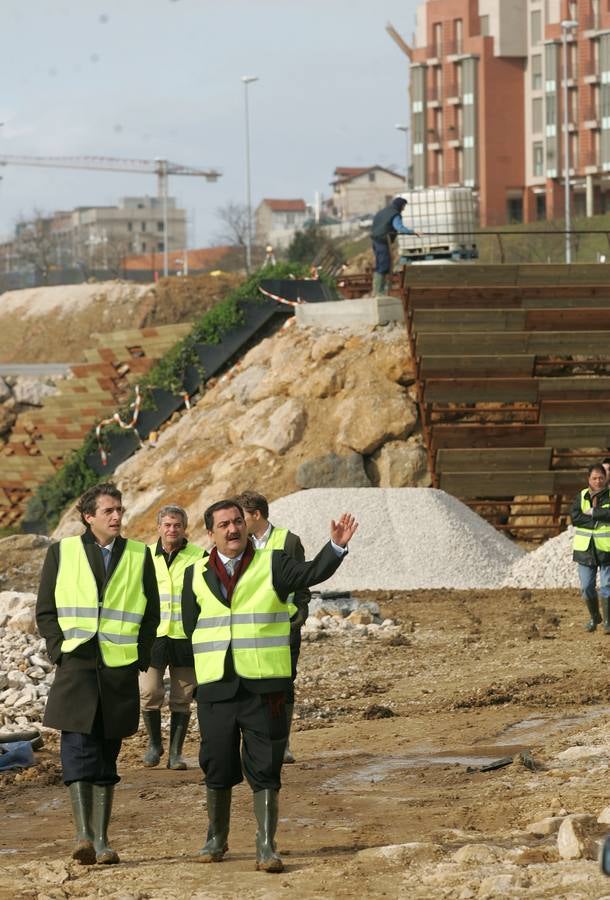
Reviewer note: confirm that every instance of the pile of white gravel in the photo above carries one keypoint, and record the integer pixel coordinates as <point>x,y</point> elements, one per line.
<point>408,538</point>
<point>548,566</point>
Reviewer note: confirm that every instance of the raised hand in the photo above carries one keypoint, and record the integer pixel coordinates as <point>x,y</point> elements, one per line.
<point>342,531</point>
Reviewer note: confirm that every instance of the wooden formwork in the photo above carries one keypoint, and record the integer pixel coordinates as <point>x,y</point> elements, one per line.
<point>513,384</point>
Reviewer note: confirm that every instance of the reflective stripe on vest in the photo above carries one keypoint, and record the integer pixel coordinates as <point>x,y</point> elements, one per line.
<point>170,580</point>
<point>277,541</point>
<point>600,532</point>
<point>117,621</point>
<point>257,626</point>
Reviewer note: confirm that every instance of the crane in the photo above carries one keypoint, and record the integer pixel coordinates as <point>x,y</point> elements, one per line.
<point>162,168</point>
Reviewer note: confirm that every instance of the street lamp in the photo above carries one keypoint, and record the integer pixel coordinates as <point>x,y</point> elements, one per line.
<point>246,80</point>
<point>405,129</point>
<point>567,25</point>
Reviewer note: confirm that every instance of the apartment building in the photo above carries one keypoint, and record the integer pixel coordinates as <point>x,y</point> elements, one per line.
<point>487,103</point>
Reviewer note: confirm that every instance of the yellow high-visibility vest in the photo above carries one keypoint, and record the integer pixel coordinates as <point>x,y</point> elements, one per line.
<point>600,532</point>
<point>277,541</point>
<point>170,580</point>
<point>117,621</point>
<point>256,626</point>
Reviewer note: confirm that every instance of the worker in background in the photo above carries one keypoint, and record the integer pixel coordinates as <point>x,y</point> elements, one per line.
<point>387,223</point>
<point>269,259</point>
<point>234,607</point>
<point>590,515</point>
<point>98,611</point>
<point>606,465</point>
<point>171,555</point>
<point>264,534</point>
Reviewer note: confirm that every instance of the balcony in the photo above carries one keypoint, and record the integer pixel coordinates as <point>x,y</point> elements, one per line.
<point>454,137</point>
<point>433,53</point>
<point>434,139</point>
<point>591,72</point>
<point>591,118</point>
<point>454,47</point>
<point>589,22</point>
<point>454,93</point>
<point>433,96</point>
<point>453,176</point>
<point>590,161</point>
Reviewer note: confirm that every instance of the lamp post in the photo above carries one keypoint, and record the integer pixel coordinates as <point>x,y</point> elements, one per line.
<point>405,129</point>
<point>246,80</point>
<point>567,25</point>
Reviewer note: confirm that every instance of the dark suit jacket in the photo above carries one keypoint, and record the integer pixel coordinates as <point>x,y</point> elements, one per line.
<point>288,575</point>
<point>82,680</point>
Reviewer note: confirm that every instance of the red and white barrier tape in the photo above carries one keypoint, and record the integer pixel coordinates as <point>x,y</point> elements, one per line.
<point>116,420</point>
<point>281,299</point>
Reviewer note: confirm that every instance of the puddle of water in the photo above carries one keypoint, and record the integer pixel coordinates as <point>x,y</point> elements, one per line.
<point>381,767</point>
<point>540,727</point>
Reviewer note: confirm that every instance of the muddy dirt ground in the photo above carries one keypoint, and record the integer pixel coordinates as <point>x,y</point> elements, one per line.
<point>384,741</point>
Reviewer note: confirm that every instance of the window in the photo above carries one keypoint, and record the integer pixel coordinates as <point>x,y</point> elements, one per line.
<point>159,226</point>
<point>540,207</point>
<point>538,159</point>
<point>130,226</point>
<point>484,20</point>
<point>514,209</point>
<point>537,72</point>
<point>371,176</point>
<point>458,35</point>
<point>160,246</point>
<point>143,226</point>
<point>537,115</point>
<point>144,247</point>
<point>535,27</point>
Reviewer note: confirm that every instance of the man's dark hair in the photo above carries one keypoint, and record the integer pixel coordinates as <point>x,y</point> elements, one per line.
<point>88,502</point>
<point>252,501</point>
<point>208,516</point>
<point>596,467</point>
<point>606,460</point>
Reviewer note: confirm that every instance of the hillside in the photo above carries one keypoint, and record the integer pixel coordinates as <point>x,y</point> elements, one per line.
<point>304,408</point>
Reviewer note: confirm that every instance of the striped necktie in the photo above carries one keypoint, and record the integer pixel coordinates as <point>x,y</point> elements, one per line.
<point>106,557</point>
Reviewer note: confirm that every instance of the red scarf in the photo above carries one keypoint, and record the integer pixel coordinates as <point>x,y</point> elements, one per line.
<point>216,563</point>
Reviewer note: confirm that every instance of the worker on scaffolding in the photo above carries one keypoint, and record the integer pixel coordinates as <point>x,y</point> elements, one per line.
<point>386,225</point>
<point>590,515</point>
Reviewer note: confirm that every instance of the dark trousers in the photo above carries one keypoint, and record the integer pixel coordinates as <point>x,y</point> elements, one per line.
<point>90,757</point>
<point>249,731</point>
<point>383,257</point>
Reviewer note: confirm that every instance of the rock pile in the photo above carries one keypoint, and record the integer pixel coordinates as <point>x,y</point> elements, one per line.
<point>408,538</point>
<point>548,566</point>
<point>19,394</point>
<point>26,672</point>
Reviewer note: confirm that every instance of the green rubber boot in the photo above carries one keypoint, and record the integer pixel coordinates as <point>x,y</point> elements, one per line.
<point>178,729</point>
<point>81,799</point>
<point>606,609</point>
<point>377,284</point>
<point>100,818</point>
<point>219,817</point>
<point>593,607</point>
<point>266,811</point>
<point>154,751</point>
<point>288,755</point>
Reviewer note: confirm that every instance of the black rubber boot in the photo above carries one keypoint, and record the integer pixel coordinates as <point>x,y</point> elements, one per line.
<point>288,756</point>
<point>154,751</point>
<point>266,811</point>
<point>178,729</point>
<point>606,609</point>
<point>81,799</point>
<point>219,817</point>
<point>593,607</point>
<point>100,818</point>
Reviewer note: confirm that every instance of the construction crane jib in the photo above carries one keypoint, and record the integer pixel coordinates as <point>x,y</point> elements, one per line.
<point>162,168</point>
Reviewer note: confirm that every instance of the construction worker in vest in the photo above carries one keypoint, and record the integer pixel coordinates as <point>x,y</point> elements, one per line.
<point>590,516</point>
<point>98,611</point>
<point>387,223</point>
<point>235,607</point>
<point>264,534</point>
<point>171,554</point>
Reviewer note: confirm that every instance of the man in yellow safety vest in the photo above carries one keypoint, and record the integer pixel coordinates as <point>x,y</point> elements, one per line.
<point>234,606</point>
<point>171,554</point>
<point>264,534</point>
<point>590,516</point>
<point>98,611</point>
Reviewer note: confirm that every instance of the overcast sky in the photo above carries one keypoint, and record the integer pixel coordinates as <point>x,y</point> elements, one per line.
<point>162,78</point>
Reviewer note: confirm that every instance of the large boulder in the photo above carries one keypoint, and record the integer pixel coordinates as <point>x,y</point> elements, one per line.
<point>400,464</point>
<point>17,611</point>
<point>333,471</point>
<point>270,424</point>
<point>378,412</point>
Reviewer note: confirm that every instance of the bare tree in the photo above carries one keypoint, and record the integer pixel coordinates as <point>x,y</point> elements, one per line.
<point>234,217</point>
<point>36,245</point>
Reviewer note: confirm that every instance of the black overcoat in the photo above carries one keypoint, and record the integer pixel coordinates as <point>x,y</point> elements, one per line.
<point>82,680</point>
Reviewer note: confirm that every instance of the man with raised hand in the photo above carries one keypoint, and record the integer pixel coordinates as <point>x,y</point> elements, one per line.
<point>234,606</point>
<point>98,611</point>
